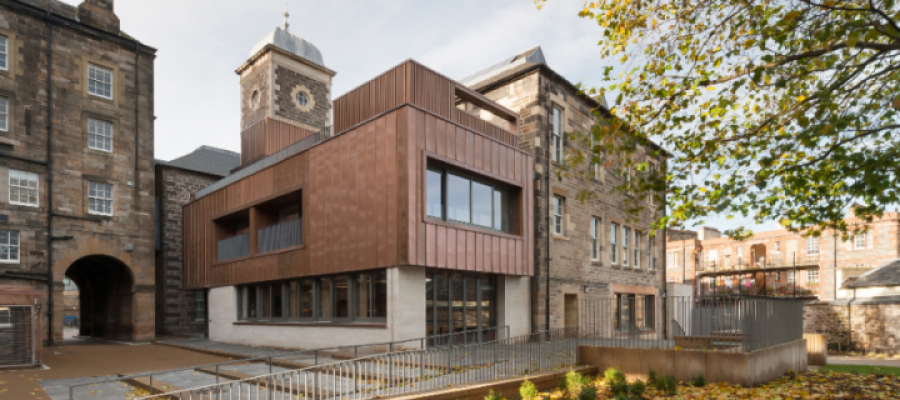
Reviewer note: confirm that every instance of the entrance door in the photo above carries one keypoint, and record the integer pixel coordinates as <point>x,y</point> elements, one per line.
<point>16,336</point>
<point>571,311</point>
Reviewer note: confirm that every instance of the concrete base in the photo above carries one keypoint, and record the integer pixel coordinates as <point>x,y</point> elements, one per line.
<point>747,369</point>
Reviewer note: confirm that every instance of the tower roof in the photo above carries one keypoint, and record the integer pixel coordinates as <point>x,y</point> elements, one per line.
<point>283,39</point>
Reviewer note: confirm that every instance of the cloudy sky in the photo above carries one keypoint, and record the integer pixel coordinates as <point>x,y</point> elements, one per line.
<point>201,42</point>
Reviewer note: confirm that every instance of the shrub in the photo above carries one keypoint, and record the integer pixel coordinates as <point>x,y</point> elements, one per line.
<point>492,395</point>
<point>651,378</point>
<point>575,381</point>
<point>666,384</point>
<point>528,391</point>
<point>588,392</point>
<point>613,376</point>
<point>637,389</point>
<point>619,388</point>
<point>698,381</point>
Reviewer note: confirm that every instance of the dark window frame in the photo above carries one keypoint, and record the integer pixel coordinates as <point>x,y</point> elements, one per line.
<point>495,186</point>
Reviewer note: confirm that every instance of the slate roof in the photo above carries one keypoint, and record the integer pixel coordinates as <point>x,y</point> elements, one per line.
<point>887,274</point>
<point>292,43</point>
<point>207,160</point>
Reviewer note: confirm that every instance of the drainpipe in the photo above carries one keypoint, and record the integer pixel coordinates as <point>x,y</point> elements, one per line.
<point>547,256</point>
<point>50,339</point>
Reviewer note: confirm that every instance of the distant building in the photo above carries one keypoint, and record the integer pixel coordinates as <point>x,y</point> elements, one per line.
<point>591,248</point>
<point>76,168</point>
<point>179,312</point>
<point>783,263</point>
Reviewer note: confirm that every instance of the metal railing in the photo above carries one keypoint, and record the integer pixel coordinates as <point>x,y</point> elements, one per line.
<point>281,236</point>
<point>233,247</point>
<point>401,372</point>
<point>330,355</point>
<point>737,325</point>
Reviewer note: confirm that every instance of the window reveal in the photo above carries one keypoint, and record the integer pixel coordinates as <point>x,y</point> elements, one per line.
<point>457,198</point>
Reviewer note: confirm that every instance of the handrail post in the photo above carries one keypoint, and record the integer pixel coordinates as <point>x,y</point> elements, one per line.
<point>270,365</point>
<point>151,385</point>
<point>217,374</point>
<point>315,357</point>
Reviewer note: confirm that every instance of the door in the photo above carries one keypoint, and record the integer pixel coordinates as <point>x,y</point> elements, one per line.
<point>16,336</point>
<point>571,311</point>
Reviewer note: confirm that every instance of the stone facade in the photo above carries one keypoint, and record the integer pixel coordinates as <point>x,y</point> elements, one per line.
<point>175,308</point>
<point>121,242</point>
<point>255,94</point>
<point>573,273</point>
<point>769,257</point>
<point>866,327</point>
<point>288,82</point>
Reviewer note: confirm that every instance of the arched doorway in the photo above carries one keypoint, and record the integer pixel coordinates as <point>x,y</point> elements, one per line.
<point>106,297</point>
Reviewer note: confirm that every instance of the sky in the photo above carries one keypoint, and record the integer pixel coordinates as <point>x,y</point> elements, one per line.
<point>200,43</point>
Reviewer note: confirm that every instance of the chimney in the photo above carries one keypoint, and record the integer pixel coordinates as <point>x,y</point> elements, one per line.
<point>99,14</point>
<point>706,233</point>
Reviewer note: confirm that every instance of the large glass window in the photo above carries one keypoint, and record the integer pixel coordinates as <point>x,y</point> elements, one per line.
<point>199,305</point>
<point>342,298</point>
<point>461,307</point>
<point>459,198</point>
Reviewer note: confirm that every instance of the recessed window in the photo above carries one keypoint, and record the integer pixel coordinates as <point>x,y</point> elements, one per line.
<point>556,135</point>
<point>100,135</point>
<point>791,276</point>
<point>812,276</point>
<point>637,249</point>
<point>302,99</point>
<point>9,247</point>
<point>627,180</point>
<point>100,198</point>
<point>559,210</point>
<point>626,233</point>
<point>595,238</point>
<point>4,53</point>
<point>199,305</point>
<point>859,241</point>
<point>613,245</point>
<point>778,247</point>
<point>23,188</point>
<point>100,81</point>
<point>650,258</point>
<point>651,197</point>
<point>254,98</point>
<point>4,114</point>
<point>459,198</point>
<point>812,246</point>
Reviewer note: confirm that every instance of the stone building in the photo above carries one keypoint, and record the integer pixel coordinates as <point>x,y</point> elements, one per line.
<point>591,248</point>
<point>76,165</point>
<point>179,312</point>
<point>783,263</point>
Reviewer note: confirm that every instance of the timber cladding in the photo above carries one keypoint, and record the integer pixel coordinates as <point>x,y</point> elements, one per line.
<point>363,191</point>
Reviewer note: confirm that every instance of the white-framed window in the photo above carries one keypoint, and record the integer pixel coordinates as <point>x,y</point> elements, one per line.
<point>556,142</point>
<point>812,276</point>
<point>791,276</point>
<point>100,135</point>
<point>4,114</point>
<point>651,259</point>
<point>4,53</point>
<point>637,249</point>
<point>712,256</point>
<point>24,188</point>
<point>859,241</point>
<point>671,279</point>
<point>712,283</point>
<point>100,198</point>
<point>670,260</point>
<point>559,209</point>
<point>595,238</point>
<point>626,234</point>
<point>100,81</point>
<point>613,245</point>
<point>9,247</point>
<point>812,246</point>
<point>778,247</point>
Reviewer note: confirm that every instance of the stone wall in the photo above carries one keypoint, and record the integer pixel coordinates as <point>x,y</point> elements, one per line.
<point>127,235</point>
<point>175,307</point>
<point>865,327</point>
<point>533,95</point>
<point>287,83</point>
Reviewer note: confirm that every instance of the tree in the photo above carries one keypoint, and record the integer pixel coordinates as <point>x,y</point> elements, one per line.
<point>781,110</point>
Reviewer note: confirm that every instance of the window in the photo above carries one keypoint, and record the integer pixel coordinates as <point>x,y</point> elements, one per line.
<point>712,283</point>
<point>671,279</point>
<point>778,247</point>
<point>712,256</point>
<point>651,197</point>
<point>302,99</point>
<point>670,261</point>
<point>559,206</point>
<point>371,295</point>
<point>100,198</point>
<point>812,276</point>
<point>791,276</point>
<point>613,248</point>
<point>859,241</point>
<point>626,234</point>
<point>777,276</point>
<point>595,166</point>
<point>9,247</point>
<point>4,114</point>
<point>100,81</point>
<point>650,254</point>
<point>812,246</point>
<point>100,135</point>
<point>595,238</point>
<point>627,173</point>
<point>637,249</point>
<point>457,198</point>
<point>4,53</point>
<point>23,188</point>
<point>199,306</point>
<point>740,254</point>
<point>457,302</point>
<point>556,136</point>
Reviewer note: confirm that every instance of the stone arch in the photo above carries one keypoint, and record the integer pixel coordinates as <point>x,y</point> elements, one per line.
<point>106,296</point>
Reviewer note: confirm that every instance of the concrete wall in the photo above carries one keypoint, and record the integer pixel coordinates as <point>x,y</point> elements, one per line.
<point>746,369</point>
<point>507,387</point>
<point>513,304</point>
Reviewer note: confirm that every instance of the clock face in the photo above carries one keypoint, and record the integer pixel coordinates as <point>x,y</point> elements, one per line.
<point>302,99</point>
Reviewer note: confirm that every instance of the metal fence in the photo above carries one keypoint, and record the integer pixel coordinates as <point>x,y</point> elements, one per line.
<point>17,336</point>
<point>311,358</point>
<point>728,324</point>
<point>400,372</point>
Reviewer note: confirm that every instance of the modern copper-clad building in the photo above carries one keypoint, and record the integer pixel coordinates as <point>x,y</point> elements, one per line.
<point>407,217</point>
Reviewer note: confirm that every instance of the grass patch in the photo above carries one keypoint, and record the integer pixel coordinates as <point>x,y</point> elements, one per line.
<point>862,369</point>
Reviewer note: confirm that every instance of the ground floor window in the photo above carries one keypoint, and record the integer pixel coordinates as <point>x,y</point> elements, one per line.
<point>200,305</point>
<point>334,298</point>
<point>635,312</point>
<point>460,306</point>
